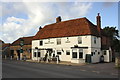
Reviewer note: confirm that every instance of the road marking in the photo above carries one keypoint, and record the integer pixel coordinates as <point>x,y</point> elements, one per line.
<point>96,71</point>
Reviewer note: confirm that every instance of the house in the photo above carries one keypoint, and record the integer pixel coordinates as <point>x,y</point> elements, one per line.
<point>75,41</point>
<point>26,48</point>
<point>1,42</point>
<point>5,49</point>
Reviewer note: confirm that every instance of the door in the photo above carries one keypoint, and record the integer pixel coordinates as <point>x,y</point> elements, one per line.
<point>88,58</point>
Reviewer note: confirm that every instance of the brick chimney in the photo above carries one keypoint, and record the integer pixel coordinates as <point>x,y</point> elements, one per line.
<point>58,19</point>
<point>99,22</point>
<point>40,28</point>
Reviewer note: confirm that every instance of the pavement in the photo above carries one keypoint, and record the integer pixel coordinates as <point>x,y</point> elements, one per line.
<point>60,63</point>
<point>28,69</point>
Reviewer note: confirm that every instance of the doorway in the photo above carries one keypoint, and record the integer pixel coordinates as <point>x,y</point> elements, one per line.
<point>18,54</point>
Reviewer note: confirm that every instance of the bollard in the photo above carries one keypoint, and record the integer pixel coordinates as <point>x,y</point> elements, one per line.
<point>57,60</point>
<point>17,58</point>
<point>5,57</point>
<point>11,57</point>
<point>38,59</point>
<point>47,60</point>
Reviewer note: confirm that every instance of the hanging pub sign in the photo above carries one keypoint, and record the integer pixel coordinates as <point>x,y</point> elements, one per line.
<point>21,42</point>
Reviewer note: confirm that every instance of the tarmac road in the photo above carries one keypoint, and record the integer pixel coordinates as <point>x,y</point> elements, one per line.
<point>20,69</point>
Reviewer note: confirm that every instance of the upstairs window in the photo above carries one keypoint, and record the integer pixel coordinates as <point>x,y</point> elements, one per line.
<point>58,41</point>
<point>48,40</point>
<point>41,43</point>
<point>94,40</point>
<point>79,40</point>
<point>67,41</point>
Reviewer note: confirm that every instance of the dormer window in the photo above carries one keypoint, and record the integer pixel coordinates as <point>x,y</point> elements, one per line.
<point>79,40</point>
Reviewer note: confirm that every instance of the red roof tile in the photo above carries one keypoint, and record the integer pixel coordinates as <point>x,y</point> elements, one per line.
<point>27,41</point>
<point>75,27</point>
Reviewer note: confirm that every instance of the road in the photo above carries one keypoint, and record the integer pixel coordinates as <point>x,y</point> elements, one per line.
<point>20,69</point>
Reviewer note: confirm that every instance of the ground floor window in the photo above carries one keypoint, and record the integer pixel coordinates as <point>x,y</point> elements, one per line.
<point>59,53</point>
<point>104,52</point>
<point>38,54</point>
<point>53,55</point>
<point>80,54</point>
<point>74,54</point>
<point>35,54</point>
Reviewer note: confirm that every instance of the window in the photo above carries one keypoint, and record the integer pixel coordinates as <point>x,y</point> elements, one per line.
<point>79,40</point>
<point>104,52</point>
<point>58,41</point>
<point>74,54</point>
<point>59,52</point>
<point>98,53</point>
<point>94,40</point>
<point>53,55</point>
<point>34,54</point>
<point>67,52</point>
<point>41,43</point>
<point>48,40</point>
<point>80,54</point>
<point>95,50</point>
<point>67,41</point>
<point>92,53</point>
<point>30,50</point>
<point>38,54</point>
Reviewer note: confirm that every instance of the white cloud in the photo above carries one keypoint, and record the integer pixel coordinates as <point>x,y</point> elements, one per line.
<point>37,14</point>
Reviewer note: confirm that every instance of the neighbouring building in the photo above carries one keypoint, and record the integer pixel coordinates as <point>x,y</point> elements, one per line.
<point>5,49</point>
<point>75,41</point>
<point>15,48</point>
<point>1,42</point>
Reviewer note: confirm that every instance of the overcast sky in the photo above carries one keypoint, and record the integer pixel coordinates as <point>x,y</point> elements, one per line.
<point>24,18</point>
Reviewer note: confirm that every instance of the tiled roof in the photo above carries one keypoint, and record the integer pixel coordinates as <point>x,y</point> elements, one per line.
<point>27,41</point>
<point>1,41</point>
<point>4,45</point>
<point>75,27</point>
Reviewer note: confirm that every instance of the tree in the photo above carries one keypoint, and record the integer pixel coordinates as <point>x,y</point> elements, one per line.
<point>113,34</point>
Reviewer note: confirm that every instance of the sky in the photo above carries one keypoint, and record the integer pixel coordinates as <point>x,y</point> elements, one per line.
<point>21,19</point>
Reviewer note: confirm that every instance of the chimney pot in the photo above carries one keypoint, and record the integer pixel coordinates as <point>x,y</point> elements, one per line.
<point>40,28</point>
<point>98,14</point>
<point>58,19</point>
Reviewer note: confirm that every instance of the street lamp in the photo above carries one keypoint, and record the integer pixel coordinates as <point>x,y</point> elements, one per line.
<point>21,49</point>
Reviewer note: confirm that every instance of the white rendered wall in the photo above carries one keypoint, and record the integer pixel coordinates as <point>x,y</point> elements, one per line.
<point>87,41</point>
